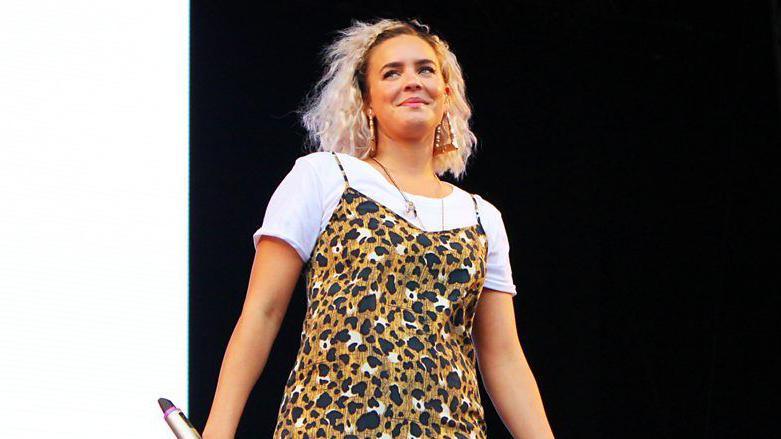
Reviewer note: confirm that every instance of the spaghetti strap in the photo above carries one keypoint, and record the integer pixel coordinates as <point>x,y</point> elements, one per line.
<point>341,168</point>
<point>477,211</point>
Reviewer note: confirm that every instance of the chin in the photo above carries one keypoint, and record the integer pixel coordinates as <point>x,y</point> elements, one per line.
<point>416,121</point>
<point>420,126</point>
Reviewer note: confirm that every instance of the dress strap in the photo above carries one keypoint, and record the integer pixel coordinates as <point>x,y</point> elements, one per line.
<point>477,211</point>
<point>341,168</point>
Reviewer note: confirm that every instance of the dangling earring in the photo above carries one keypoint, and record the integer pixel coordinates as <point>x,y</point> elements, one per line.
<point>438,139</point>
<point>444,140</point>
<point>372,138</point>
<point>448,143</point>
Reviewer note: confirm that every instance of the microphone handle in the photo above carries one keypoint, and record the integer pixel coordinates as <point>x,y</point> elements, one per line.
<point>181,426</point>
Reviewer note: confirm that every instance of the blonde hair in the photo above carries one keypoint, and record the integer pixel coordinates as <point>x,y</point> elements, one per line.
<point>333,111</point>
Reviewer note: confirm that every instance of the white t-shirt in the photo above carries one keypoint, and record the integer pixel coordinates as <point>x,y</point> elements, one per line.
<point>302,205</point>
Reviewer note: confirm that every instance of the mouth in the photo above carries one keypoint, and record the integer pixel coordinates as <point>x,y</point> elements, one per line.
<point>413,102</point>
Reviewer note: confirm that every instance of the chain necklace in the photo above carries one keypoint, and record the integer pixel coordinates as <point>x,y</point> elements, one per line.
<point>410,205</point>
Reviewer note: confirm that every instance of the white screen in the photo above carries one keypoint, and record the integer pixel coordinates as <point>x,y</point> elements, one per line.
<point>93,216</point>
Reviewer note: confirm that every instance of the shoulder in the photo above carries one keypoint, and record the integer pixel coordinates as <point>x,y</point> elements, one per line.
<point>493,224</point>
<point>317,165</point>
<point>327,165</point>
<point>326,157</point>
<point>487,209</point>
<point>316,160</point>
<point>321,169</point>
<point>324,162</point>
<point>317,157</point>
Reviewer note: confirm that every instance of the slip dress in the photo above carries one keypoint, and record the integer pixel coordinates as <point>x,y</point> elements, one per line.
<point>386,348</point>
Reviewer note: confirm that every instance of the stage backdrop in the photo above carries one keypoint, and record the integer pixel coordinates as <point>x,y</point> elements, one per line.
<point>626,146</point>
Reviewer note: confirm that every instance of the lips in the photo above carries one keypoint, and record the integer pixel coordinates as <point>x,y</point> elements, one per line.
<point>410,101</point>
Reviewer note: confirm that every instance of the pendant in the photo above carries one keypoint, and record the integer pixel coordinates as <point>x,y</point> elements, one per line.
<point>411,208</point>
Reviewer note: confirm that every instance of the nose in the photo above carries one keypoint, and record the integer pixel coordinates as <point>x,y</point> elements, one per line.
<point>412,82</point>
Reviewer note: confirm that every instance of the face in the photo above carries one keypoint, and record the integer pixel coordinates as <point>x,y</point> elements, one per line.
<point>406,88</point>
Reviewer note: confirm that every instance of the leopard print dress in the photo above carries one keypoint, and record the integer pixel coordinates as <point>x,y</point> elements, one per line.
<point>386,348</point>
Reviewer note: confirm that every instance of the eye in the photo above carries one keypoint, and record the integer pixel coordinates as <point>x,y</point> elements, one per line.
<point>427,68</point>
<point>389,73</point>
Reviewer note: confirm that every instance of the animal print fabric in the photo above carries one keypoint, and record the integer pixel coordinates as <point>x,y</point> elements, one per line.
<point>386,348</point>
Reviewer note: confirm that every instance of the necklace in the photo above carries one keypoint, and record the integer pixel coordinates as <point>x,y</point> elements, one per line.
<point>410,205</point>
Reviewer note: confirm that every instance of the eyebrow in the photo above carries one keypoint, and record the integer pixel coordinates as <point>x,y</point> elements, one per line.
<point>400,64</point>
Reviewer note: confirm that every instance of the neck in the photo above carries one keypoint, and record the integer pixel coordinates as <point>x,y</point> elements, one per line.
<point>410,158</point>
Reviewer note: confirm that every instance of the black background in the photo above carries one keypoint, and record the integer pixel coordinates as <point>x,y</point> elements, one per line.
<point>628,146</point>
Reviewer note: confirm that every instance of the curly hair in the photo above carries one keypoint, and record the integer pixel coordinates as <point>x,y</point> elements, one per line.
<point>333,115</point>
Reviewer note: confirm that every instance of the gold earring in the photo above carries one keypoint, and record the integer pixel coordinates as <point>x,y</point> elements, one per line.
<point>448,143</point>
<point>437,139</point>
<point>372,138</point>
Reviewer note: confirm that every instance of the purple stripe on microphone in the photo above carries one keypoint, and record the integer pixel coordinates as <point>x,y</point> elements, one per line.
<point>169,411</point>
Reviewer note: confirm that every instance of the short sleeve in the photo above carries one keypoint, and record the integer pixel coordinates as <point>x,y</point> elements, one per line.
<point>499,275</point>
<point>295,209</point>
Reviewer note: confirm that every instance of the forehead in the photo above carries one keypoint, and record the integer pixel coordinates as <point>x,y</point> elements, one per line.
<point>401,48</point>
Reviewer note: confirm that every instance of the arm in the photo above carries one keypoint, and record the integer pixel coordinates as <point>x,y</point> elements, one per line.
<point>506,375</point>
<point>274,274</point>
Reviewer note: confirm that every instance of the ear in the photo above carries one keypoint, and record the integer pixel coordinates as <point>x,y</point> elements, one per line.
<point>367,107</point>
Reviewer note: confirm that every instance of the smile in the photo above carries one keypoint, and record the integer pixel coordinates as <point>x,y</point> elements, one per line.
<point>413,102</point>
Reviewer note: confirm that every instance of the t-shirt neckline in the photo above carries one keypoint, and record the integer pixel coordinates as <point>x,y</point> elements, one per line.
<point>416,197</point>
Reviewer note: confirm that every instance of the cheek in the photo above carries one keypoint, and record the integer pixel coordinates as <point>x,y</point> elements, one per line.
<point>383,93</point>
<point>435,88</point>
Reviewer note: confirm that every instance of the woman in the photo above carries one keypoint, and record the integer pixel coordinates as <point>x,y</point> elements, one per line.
<point>408,277</point>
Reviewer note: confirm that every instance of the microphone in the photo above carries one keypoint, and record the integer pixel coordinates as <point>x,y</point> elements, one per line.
<point>178,422</point>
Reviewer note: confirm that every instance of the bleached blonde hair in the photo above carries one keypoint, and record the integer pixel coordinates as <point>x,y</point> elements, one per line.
<point>333,111</point>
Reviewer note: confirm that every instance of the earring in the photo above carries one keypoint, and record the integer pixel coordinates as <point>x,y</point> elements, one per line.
<point>372,138</point>
<point>438,139</point>
<point>444,140</point>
